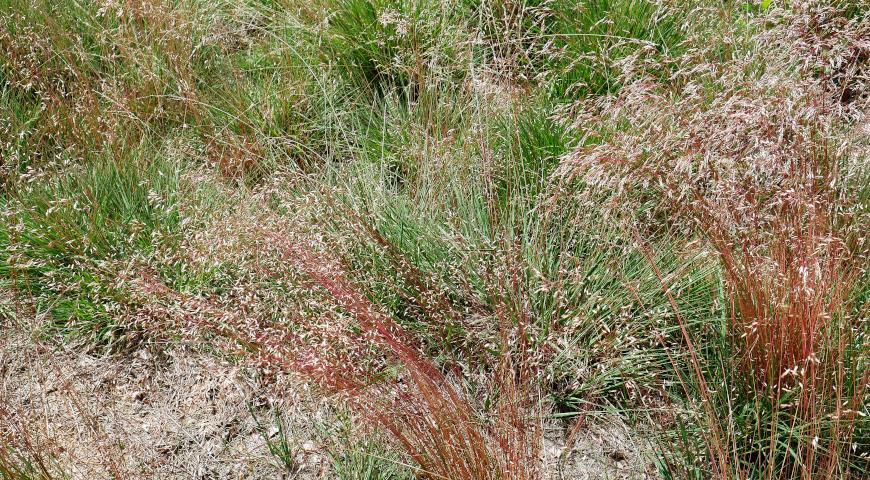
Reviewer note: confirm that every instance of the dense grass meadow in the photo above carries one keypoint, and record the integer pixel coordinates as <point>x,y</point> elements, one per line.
<point>470,233</point>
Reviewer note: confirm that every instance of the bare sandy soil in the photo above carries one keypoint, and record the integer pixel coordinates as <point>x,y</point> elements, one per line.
<point>186,414</point>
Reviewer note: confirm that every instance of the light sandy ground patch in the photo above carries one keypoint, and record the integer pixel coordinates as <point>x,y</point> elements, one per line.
<point>186,414</point>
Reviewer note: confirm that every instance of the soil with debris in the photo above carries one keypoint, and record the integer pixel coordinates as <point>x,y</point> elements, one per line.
<point>187,414</point>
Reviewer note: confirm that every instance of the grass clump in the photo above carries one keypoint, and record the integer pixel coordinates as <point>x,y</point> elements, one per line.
<point>362,457</point>
<point>773,209</point>
<point>66,236</point>
<point>401,45</point>
<point>593,37</point>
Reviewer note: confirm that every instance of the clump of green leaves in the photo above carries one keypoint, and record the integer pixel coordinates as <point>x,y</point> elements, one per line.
<point>408,45</point>
<point>64,235</point>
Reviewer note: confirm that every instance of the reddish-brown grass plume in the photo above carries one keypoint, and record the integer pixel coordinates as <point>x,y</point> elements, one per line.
<point>426,412</point>
<point>348,346</point>
<point>760,167</point>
